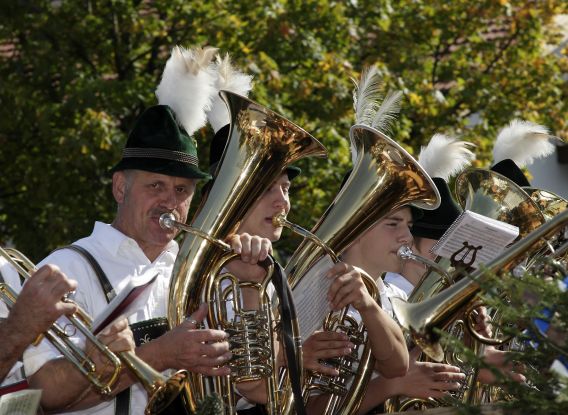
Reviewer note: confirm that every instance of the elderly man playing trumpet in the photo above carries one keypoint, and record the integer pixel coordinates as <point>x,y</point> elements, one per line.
<point>158,174</point>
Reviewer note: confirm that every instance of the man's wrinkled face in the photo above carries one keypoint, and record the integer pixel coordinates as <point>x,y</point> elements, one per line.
<point>143,197</point>
<point>275,200</point>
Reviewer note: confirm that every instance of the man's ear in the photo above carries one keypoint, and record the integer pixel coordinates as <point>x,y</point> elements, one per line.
<point>119,186</point>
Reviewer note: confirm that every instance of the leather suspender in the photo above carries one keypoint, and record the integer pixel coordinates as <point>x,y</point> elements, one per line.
<point>287,315</point>
<point>122,400</point>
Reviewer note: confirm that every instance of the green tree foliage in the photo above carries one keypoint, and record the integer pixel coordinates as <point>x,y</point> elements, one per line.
<point>74,75</point>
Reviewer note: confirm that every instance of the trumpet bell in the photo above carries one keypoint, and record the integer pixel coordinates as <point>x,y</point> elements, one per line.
<point>385,177</point>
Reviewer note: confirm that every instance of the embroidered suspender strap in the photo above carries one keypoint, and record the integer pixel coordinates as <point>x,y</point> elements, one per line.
<point>287,315</point>
<point>122,400</point>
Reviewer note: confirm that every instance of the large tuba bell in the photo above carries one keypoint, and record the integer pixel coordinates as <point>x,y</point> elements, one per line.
<point>384,178</point>
<point>261,144</point>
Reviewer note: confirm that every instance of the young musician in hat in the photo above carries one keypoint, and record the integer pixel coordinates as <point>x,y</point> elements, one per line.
<point>257,222</point>
<point>443,157</point>
<point>158,174</point>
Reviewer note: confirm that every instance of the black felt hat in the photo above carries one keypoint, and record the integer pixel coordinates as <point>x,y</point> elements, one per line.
<point>218,146</point>
<point>511,171</point>
<point>158,144</point>
<point>434,223</point>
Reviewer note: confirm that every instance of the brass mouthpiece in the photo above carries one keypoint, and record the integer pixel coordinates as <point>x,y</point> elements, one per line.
<point>404,252</point>
<point>279,220</point>
<point>167,220</point>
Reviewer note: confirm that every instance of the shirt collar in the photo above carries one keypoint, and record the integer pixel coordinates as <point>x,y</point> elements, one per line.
<point>399,281</point>
<point>114,239</point>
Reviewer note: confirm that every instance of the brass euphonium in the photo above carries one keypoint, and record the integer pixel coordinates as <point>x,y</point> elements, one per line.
<point>422,319</point>
<point>551,205</point>
<point>384,178</point>
<point>493,195</point>
<point>166,396</point>
<point>438,276</point>
<point>261,144</point>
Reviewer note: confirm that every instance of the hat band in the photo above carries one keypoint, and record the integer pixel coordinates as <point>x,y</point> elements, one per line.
<point>160,153</point>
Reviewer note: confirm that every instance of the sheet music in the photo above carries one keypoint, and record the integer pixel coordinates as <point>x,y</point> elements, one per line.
<point>131,298</point>
<point>24,402</point>
<point>310,297</point>
<point>489,235</point>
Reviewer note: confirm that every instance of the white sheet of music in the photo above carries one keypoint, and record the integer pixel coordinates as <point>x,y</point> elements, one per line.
<point>310,297</point>
<point>477,230</point>
<point>24,402</point>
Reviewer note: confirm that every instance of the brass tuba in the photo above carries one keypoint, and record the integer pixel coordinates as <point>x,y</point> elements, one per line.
<point>261,144</point>
<point>493,195</point>
<point>384,178</point>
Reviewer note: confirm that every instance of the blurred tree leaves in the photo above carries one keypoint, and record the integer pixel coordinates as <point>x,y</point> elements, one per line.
<point>74,75</point>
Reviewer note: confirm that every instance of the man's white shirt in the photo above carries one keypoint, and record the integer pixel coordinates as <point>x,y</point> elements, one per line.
<point>121,259</point>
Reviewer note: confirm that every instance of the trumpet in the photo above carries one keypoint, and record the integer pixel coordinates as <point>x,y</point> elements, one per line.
<point>165,396</point>
<point>58,336</point>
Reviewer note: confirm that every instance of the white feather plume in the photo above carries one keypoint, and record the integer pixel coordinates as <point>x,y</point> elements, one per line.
<point>370,107</point>
<point>229,79</point>
<point>386,114</point>
<point>445,156</point>
<point>187,85</point>
<point>367,95</point>
<point>523,142</point>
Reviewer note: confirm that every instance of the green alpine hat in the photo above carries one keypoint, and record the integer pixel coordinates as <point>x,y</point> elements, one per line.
<point>159,145</point>
<point>434,223</point>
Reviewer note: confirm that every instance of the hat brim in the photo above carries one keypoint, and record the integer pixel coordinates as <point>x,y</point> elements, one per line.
<point>293,171</point>
<point>161,166</point>
<point>429,231</point>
